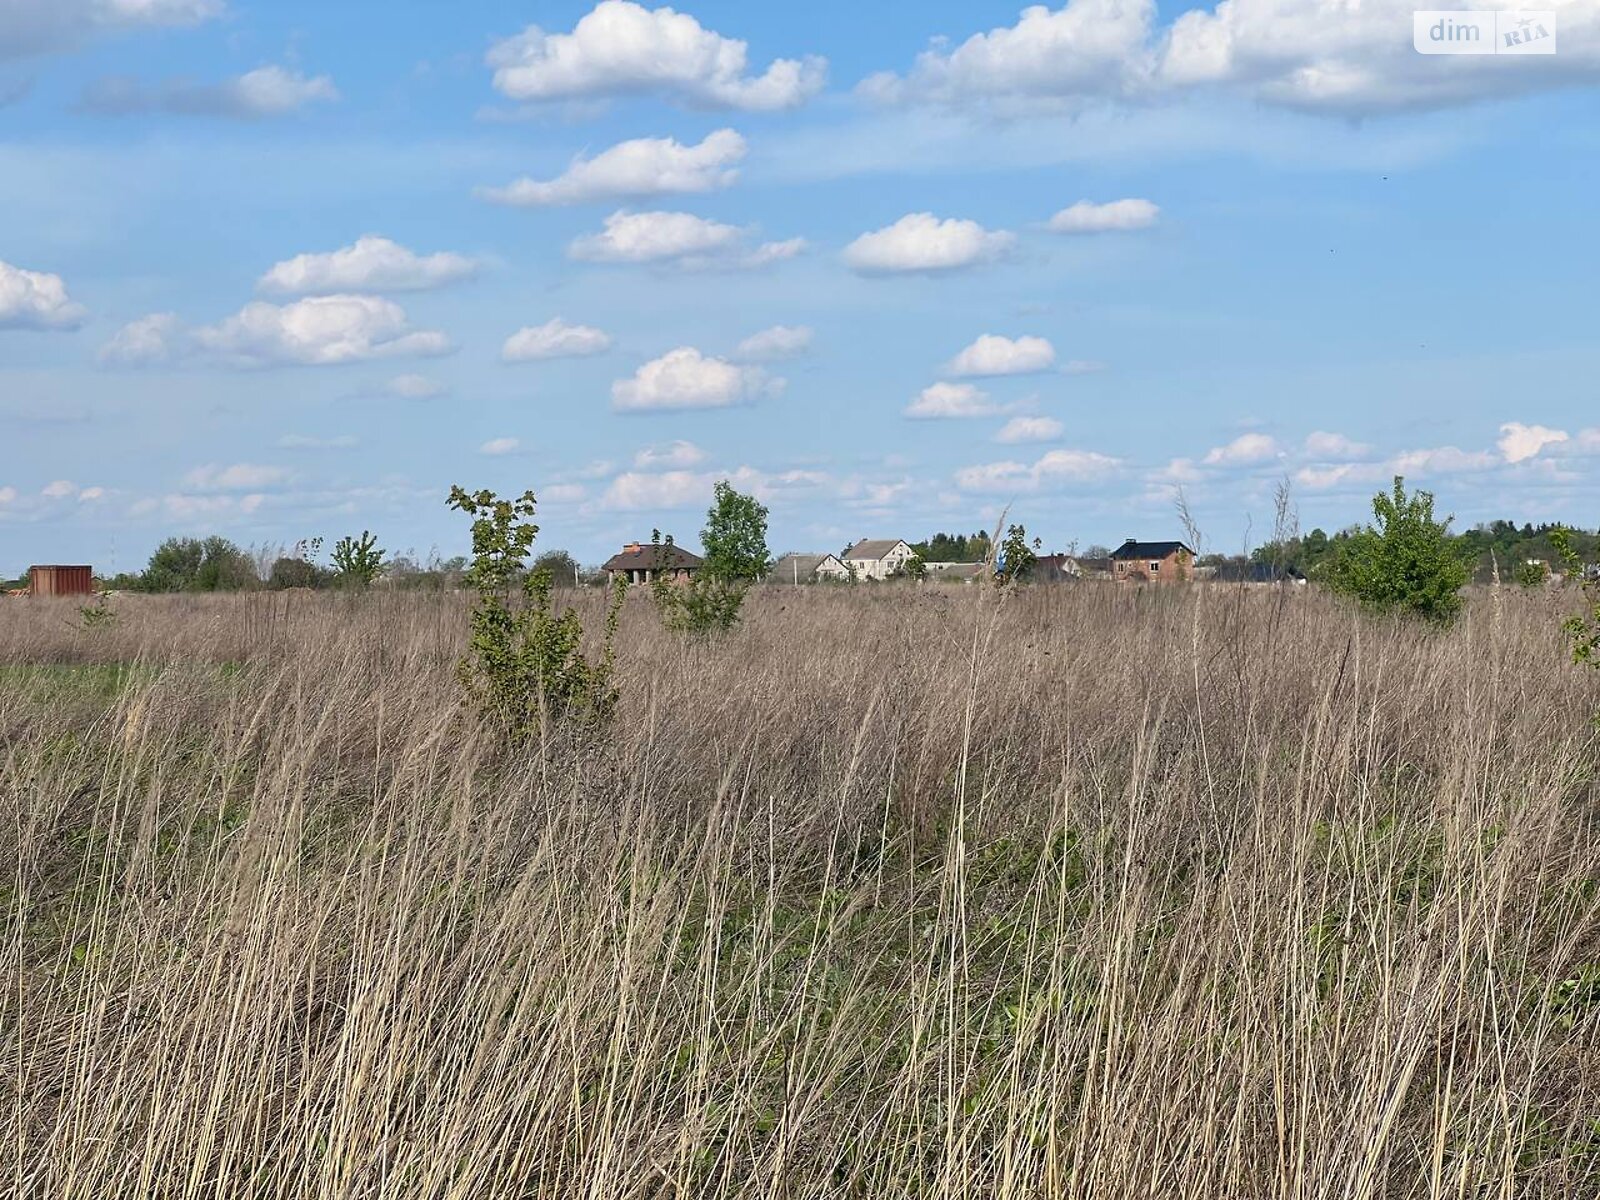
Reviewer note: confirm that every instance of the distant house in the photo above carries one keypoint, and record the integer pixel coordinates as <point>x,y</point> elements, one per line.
<point>1152,562</point>
<point>646,562</point>
<point>1056,568</point>
<point>807,568</point>
<point>877,559</point>
<point>60,581</point>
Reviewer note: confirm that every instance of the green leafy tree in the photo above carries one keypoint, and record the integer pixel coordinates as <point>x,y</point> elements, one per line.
<point>736,556</point>
<point>1583,629</point>
<point>1405,562</point>
<point>210,564</point>
<point>559,565</point>
<point>735,537</point>
<point>916,568</point>
<point>358,561</point>
<point>525,667</point>
<point>1017,555</point>
<point>954,547</point>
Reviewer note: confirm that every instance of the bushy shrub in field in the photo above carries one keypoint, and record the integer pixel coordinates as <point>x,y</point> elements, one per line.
<point>290,572</point>
<point>358,561</point>
<point>1583,629</point>
<point>698,606</point>
<point>525,666</point>
<point>1405,562</point>
<point>1017,556</point>
<point>736,556</point>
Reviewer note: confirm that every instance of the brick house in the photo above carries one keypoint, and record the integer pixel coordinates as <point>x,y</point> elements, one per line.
<point>1152,562</point>
<point>645,562</point>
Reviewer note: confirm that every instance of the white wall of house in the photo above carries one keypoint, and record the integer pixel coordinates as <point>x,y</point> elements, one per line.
<point>881,568</point>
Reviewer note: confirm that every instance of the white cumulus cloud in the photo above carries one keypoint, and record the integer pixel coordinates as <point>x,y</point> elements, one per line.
<point>1087,49</point>
<point>622,48</point>
<point>317,331</point>
<point>684,378</point>
<point>1339,57</point>
<point>780,341</point>
<point>371,264</point>
<point>1030,429</point>
<point>654,237</point>
<point>632,170</point>
<point>496,447</point>
<point>1244,450</point>
<point>678,238</point>
<point>1357,59</point>
<point>1056,469</point>
<point>922,242</point>
<point>1117,216</point>
<point>36,300</point>
<point>993,354</point>
<point>554,339</point>
<point>637,491</point>
<point>145,342</point>
<point>1334,447</point>
<point>1520,442</point>
<point>950,400</point>
<point>669,455</point>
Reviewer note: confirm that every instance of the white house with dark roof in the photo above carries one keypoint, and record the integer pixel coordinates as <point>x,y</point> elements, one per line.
<point>877,558</point>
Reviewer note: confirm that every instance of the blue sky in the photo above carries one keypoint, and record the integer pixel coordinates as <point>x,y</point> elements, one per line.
<point>287,270</point>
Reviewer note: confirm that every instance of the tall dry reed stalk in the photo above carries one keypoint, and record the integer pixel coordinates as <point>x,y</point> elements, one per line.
<point>892,892</point>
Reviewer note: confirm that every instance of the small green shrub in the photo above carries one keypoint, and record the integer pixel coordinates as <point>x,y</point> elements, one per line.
<point>1017,556</point>
<point>525,667</point>
<point>1531,575</point>
<point>1404,563</point>
<point>98,615</point>
<point>736,555</point>
<point>358,562</point>
<point>1583,630</point>
<point>699,606</point>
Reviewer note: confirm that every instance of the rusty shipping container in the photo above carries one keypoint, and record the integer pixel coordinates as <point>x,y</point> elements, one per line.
<point>60,581</point>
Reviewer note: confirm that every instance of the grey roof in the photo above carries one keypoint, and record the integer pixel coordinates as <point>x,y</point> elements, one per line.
<point>803,565</point>
<point>873,547</point>
<point>1134,549</point>
<point>958,570</point>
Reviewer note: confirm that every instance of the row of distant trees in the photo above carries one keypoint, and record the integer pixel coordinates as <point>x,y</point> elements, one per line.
<point>216,564</point>
<point>1502,547</point>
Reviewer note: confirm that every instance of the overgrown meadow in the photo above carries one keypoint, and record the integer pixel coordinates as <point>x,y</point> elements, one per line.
<point>1052,891</point>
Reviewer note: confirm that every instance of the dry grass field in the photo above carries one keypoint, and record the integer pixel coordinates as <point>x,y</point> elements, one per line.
<point>1079,892</point>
